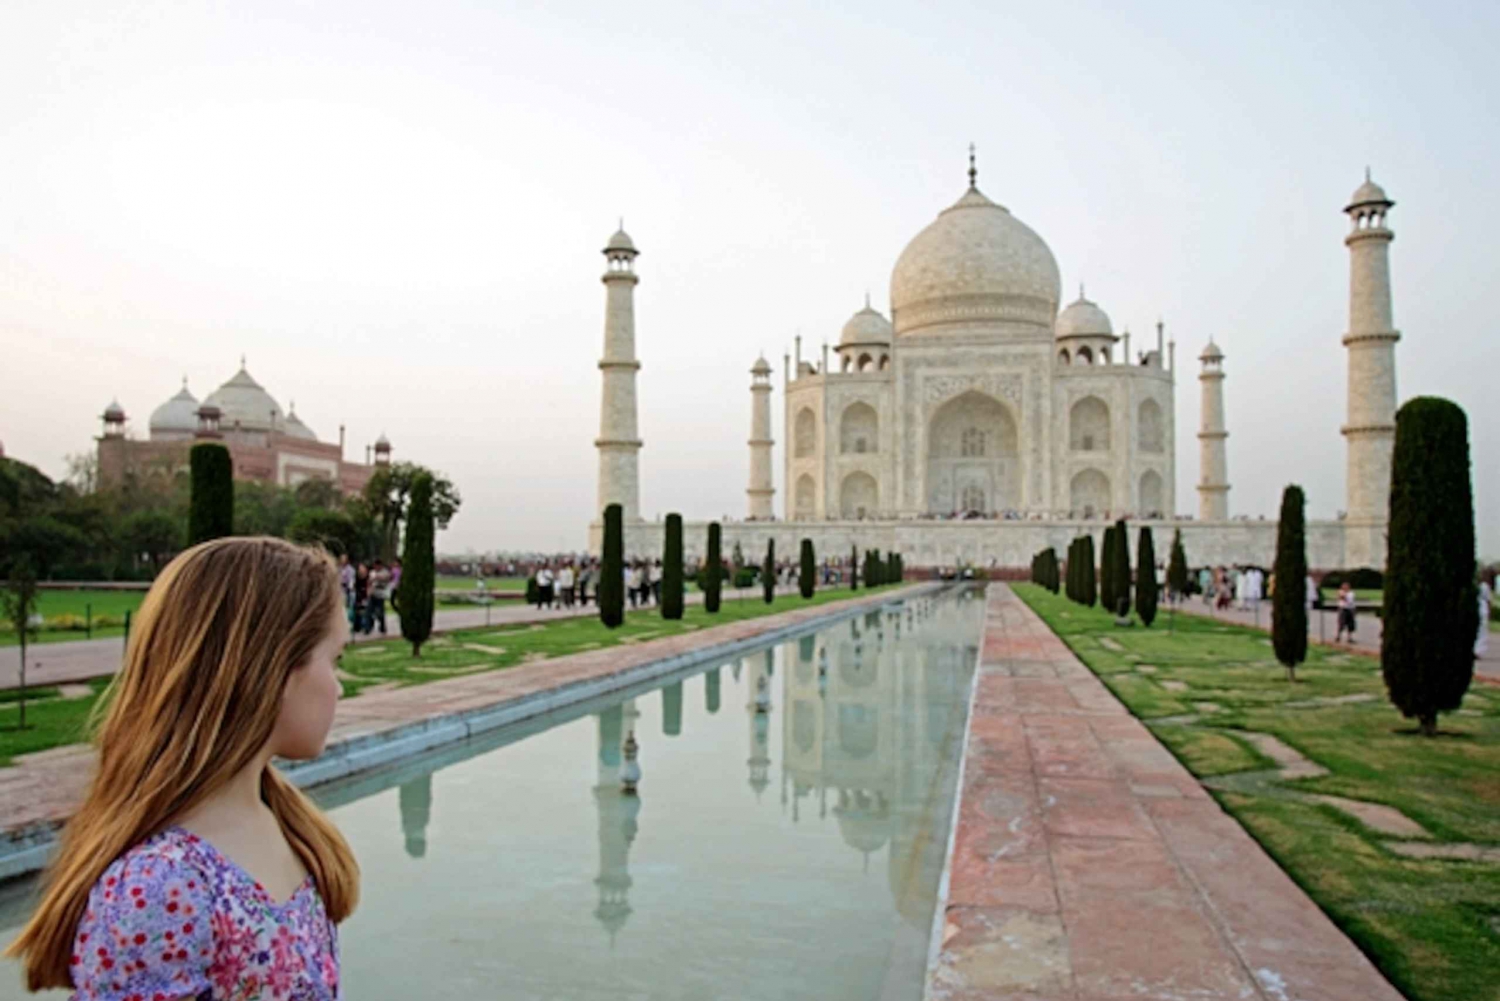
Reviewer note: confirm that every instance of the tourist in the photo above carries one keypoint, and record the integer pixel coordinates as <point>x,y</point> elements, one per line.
<point>656,575</point>
<point>565,584</point>
<point>585,574</point>
<point>189,842</point>
<point>544,584</point>
<point>633,583</point>
<point>1206,585</point>
<point>346,581</point>
<point>361,598</point>
<point>380,591</point>
<point>1346,613</point>
<point>1486,595</point>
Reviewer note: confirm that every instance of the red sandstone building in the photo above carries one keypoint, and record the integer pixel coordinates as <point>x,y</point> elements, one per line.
<point>266,444</point>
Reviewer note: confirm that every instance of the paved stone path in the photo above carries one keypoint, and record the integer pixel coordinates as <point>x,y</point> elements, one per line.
<point>40,790</point>
<point>1088,864</point>
<point>1322,627</point>
<point>79,660</point>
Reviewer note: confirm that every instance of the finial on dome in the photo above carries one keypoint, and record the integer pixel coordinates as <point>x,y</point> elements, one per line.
<point>1080,290</point>
<point>242,360</point>
<point>973,170</point>
<point>1367,172</point>
<point>867,298</point>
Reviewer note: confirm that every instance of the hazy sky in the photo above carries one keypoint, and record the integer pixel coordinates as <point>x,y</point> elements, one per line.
<point>396,210</point>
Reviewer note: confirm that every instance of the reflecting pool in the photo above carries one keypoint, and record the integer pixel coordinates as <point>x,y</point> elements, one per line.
<point>786,839</point>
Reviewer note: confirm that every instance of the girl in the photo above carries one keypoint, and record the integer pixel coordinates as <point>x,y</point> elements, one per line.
<point>193,869</point>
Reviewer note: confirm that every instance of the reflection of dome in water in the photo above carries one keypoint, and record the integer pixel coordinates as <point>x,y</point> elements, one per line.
<point>864,819</point>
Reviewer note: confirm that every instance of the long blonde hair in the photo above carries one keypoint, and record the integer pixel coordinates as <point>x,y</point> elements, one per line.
<point>215,640</point>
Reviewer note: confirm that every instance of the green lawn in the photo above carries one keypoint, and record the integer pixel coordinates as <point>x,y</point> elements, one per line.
<point>472,651</point>
<point>465,583</point>
<point>61,608</point>
<point>1432,926</point>
<point>50,720</point>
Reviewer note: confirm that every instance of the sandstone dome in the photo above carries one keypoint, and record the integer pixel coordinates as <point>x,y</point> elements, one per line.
<point>178,416</point>
<point>243,402</point>
<point>1083,318</point>
<point>975,262</point>
<point>866,327</point>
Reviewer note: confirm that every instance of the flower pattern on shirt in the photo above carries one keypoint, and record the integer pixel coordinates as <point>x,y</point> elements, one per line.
<point>173,918</point>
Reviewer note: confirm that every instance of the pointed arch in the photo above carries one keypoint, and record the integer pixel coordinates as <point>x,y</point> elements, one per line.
<point>805,434</point>
<point>859,429</point>
<point>1088,425</point>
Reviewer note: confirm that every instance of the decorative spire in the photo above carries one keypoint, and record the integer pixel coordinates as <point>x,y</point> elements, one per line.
<point>867,298</point>
<point>242,360</point>
<point>1367,172</point>
<point>1080,290</point>
<point>973,170</point>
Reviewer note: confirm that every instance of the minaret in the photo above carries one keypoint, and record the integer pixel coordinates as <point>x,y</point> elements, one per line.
<point>760,489</point>
<point>619,443</point>
<point>1213,477</point>
<point>1371,340</point>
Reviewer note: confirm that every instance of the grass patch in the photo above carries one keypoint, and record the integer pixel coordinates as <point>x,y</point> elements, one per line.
<point>51,721</point>
<point>1428,925</point>
<point>464,583</point>
<point>69,607</point>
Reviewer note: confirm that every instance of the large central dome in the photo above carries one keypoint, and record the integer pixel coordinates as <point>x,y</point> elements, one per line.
<point>975,262</point>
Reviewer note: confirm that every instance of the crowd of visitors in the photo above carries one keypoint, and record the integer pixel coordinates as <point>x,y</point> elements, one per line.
<point>368,588</point>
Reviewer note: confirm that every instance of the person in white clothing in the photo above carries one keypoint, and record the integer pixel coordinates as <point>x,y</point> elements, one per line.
<point>565,585</point>
<point>1486,595</point>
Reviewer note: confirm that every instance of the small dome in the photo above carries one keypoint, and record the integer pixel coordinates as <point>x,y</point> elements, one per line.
<point>1369,193</point>
<point>296,429</point>
<point>975,262</point>
<point>866,327</point>
<point>621,241</point>
<point>761,366</point>
<point>1083,318</point>
<point>382,444</point>
<point>114,412</point>
<point>1212,352</point>
<point>178,415</point>
<point>242,401</point>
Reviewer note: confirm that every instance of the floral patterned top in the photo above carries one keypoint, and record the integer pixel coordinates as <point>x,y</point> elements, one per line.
<point>173,918</point>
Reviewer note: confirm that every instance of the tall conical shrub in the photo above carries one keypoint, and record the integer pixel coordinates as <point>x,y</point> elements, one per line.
<point>854,568</point>
<point>768,572</point>
<point>1053,583</point>
<point>1072,570</point>
<point>211,510</point>
<point>1089,574</point>
<point>1289,604</point>
<point>1177,568</point>
<point>1106,570</point>
<point>611,594</point>
<point>1431,609</point>
<point>671,569</point>
<point>1119,567</point>
<point>713,566</point>
<point>1145,577</point>
<point>807,571</point>
<point>414,595</point>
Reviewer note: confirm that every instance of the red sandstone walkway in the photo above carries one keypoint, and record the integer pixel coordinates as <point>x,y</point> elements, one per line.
<point>1088,864</point>
<point>40,790</point>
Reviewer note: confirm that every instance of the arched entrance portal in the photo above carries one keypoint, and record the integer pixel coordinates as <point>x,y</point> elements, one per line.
<point>973,459</point>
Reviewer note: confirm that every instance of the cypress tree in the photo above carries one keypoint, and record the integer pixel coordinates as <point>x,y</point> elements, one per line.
<point>768,572</point>
<point>1088,573</point>
<point>1177,568</point>
<point>854,568</point>
<point>1119,566</point>
<point>1431,608</point>
<point>713,569</point>
<point>807,573</point>
<point>414,596</point>
<point>900,568</point>
<point>611,593</point>
<point>671,569</point>
<point>1145,577</point>
<point>211,514</point>
<point>889,572</point>
<point>1289,604</point>
<point>1106,570</point>
<point>1072,570</point>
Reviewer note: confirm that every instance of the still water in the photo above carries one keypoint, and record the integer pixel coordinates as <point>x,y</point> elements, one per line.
<point>786,840</point>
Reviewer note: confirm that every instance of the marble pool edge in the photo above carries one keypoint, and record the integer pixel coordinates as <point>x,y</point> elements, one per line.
<point>27,851</point>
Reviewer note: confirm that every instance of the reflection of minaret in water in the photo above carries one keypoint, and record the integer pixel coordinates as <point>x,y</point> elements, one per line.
<point>711,683</point>
<point>415,801</point>
<point>671,709</point>
<point>617,823</point>
<point>760,724</point>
